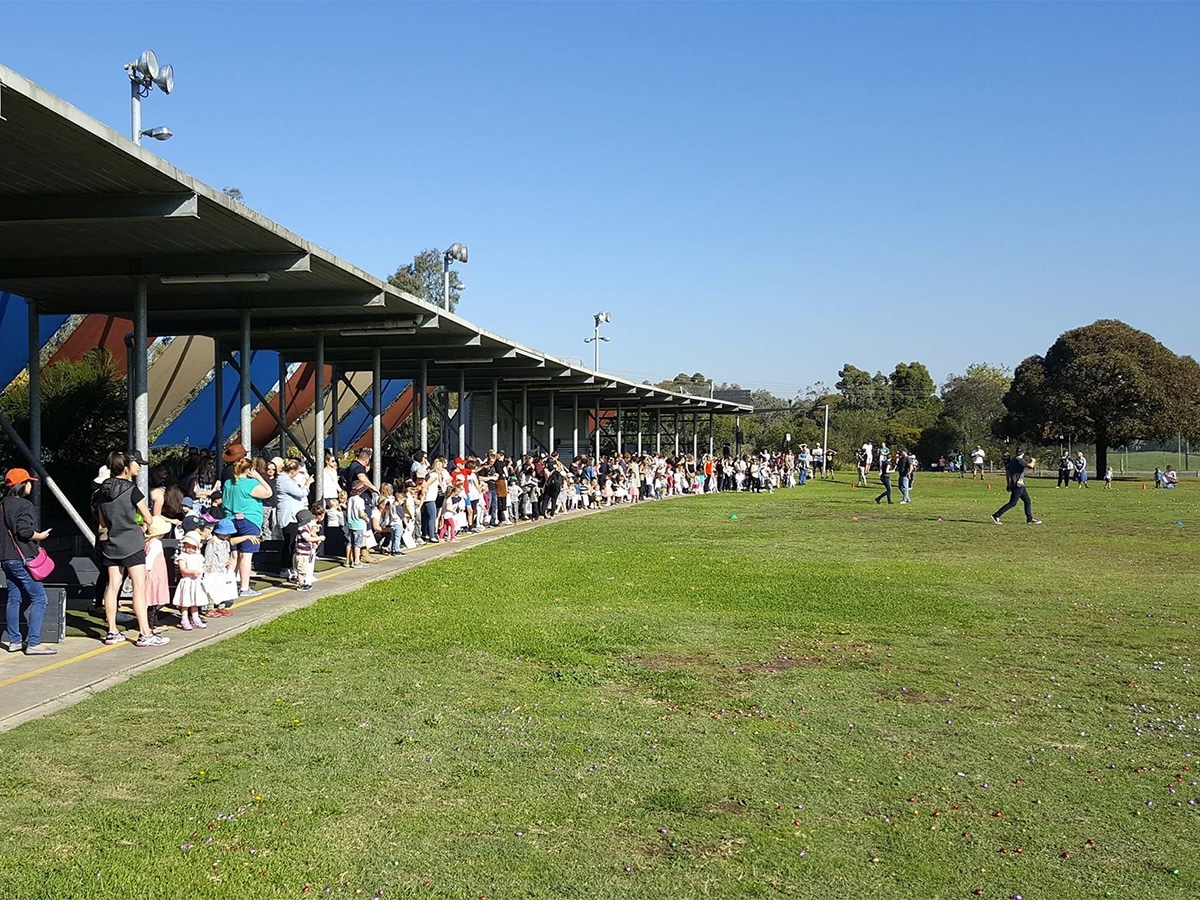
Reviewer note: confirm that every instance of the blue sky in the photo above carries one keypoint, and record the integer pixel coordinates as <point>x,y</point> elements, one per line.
<point>761,192</point>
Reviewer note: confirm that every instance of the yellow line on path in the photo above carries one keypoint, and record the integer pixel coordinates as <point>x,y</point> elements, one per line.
<point>104,648</point>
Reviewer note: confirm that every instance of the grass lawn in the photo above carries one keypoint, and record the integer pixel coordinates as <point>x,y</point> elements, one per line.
<point>818,698</point>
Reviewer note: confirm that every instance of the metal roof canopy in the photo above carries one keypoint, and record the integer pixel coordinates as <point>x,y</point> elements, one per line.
<point>85,213</point>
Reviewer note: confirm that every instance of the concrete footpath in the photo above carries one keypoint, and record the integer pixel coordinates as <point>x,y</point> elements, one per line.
<point>35,686</point>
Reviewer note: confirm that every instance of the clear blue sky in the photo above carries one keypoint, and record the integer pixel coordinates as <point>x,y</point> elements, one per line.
<point>761,192</point>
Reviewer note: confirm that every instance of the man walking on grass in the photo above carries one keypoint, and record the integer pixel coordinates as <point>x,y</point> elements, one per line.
<point>1014,469</point>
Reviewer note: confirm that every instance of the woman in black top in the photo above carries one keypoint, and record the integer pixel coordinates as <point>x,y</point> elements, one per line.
<point>17,544</point>
<point>122,544</point>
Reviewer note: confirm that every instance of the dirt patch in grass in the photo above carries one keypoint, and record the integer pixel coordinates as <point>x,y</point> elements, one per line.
<point>778,661</point>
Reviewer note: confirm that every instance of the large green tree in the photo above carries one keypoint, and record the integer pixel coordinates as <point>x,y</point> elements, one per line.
<point>1107,383</point>
<point>974,402</point>
<point>423,278</point>
<point>862,390</point>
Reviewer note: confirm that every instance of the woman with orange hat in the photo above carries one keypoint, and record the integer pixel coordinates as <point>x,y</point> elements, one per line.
<point>17,545</point>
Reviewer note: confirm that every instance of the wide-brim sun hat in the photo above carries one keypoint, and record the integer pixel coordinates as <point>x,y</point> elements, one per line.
<point>233,453</point>
<point>158,527</point>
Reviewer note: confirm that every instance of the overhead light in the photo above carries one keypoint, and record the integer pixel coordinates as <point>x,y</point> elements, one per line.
<point>532,378</point>
<point>233,278</point>
<point>456,252</point>
<point>463,362</point>
<point>602,317</point>
<point>161,133</point>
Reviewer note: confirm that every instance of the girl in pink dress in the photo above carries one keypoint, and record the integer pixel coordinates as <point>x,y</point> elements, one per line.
<point>189,594</point>
<point>158,590</point>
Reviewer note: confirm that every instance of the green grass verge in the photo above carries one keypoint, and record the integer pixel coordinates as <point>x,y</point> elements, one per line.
<point>820,698</point>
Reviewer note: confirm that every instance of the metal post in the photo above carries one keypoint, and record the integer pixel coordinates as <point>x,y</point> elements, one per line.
<point>281,397</point>
<point>35,395</point>
<point>377,415</point>
<point>658,432</point>
<point>550,434</point>
<point>639,415</point>
<point>130,381</point>
<point>620,431</point>
<point>675,428</point>
<point>495,413</point>
<point>695,436</point>
<point>244,383</point>
<point>336,384</point>
<point>319,424</point>
<point>711,449</point>
<point>141,403</point>
<point>423,398</point>
<point>524,419</point>
<point>135,112</point>
<point>218,397</point>
<point>462,420</point>
<point>597,429</point>
<point>575,427</point>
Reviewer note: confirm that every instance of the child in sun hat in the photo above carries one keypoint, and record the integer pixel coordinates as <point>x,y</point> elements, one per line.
<point>158,589</point>
<point>308,539</point>
<point>219,580</point>
<point>189,593</point>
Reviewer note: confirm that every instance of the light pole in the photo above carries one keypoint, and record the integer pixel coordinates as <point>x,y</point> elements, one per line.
<point>144,74</point>
<point>457,253</point>
<point>600,318</point>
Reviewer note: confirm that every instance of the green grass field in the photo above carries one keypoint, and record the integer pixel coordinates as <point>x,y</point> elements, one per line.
<point>818,698</point>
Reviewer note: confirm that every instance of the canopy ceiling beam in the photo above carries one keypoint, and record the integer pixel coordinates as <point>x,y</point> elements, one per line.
<point>109,209</point>
<point>154,266</point>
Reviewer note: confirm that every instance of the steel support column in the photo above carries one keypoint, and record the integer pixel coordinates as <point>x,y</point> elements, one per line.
<point>141,402</point>
<point>423,399</point>
<point>575,427</point>
<point>495,413</point>
<point>524,419</point>
<point>244,382</point>
<point>675,428</point>
<point>639,415</point>
<point>620,431</point>
<point>377,416</point>
<point>319,422</point>
<point>218,397</point>
<point>334,392</point>
<point>695,435</point>
<point>550,434</point>
<point>462,419</point>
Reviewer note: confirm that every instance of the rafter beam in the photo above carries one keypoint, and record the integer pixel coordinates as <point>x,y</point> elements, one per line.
<point>107,208</point>
<point>154,266</point>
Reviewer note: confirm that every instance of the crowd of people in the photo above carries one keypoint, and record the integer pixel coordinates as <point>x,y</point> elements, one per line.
<point>192,542</point>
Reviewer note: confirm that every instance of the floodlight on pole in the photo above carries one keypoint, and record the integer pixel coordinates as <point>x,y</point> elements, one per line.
<point>144,75</point>
<point>600,318</point>
<point>457,253</point>
<point>161,133</point>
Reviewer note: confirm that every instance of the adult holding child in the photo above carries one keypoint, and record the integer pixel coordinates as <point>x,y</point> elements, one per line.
<point>18,543</point>
<point>242,497</point>
<point>118,504</point>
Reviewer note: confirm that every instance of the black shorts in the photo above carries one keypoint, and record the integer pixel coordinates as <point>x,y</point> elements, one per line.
<point>129,562</point>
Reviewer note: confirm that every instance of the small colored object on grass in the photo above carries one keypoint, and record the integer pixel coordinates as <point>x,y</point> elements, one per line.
<point>734,517</point>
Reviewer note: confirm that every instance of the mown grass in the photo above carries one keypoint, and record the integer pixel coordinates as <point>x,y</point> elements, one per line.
<point>819,698</point>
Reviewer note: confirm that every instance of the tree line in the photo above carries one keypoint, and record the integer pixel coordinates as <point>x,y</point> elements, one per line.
<point>1105,384</point>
